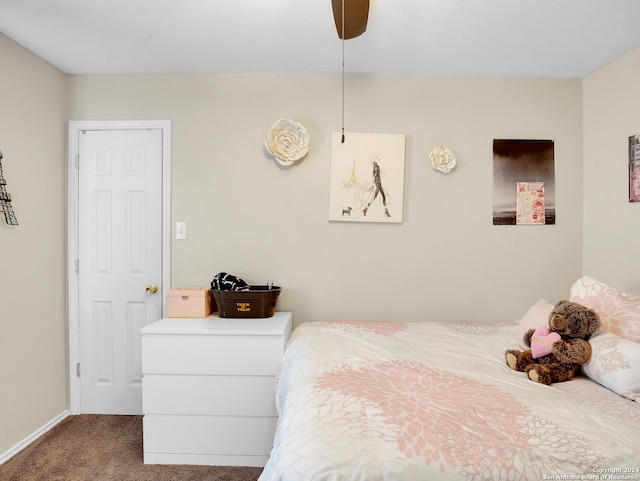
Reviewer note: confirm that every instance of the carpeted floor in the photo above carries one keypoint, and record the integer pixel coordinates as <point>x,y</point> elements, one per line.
<point>104,448</point>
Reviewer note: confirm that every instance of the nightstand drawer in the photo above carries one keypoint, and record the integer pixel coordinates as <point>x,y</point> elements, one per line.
<point>208,435</point>
<point>219,395</point>
<point>229,355</point>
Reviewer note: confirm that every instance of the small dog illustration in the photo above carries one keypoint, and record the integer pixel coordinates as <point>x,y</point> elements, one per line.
<point>347,211</point>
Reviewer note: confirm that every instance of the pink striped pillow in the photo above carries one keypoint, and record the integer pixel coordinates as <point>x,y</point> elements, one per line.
<point>619,312</point>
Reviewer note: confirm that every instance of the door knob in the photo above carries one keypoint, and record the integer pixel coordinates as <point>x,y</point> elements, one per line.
<point>152,289</point>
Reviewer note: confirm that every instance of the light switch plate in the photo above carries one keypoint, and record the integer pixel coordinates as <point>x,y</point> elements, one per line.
<point>181,231</point>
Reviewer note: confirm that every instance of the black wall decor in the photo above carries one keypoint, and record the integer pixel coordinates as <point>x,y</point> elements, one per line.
<point>5,199</point>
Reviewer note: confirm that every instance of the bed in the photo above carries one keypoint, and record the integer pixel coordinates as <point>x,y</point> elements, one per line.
<point>415,401</point>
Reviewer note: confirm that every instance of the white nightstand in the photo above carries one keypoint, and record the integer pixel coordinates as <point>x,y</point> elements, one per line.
<point>208,389</point>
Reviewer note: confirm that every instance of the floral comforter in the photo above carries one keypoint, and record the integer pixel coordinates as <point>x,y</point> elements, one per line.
<point>368,401</point>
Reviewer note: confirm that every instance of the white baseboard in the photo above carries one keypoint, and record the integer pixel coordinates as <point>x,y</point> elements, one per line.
<point>4,457</point>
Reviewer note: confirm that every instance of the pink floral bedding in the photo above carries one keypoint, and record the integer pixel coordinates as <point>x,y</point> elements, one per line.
<point>368,401</point>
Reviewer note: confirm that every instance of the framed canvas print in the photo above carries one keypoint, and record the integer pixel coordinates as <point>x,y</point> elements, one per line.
<point>634,168</point>
<point>367,177</point>
<point>523,182</point>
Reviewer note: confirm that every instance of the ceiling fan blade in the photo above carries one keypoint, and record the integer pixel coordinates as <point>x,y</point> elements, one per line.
<point>356,14</point>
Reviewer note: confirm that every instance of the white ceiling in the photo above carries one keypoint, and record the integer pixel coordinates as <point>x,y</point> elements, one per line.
<point>546,38</point>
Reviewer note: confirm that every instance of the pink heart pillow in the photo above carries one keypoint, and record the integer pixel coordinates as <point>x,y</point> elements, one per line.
<point>542,342</point>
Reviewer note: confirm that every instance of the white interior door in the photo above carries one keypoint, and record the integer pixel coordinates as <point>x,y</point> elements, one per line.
<point>120,248</point>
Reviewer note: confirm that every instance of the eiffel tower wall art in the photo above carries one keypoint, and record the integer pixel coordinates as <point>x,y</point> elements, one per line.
<point>367,177</point>
<point>5,199</point>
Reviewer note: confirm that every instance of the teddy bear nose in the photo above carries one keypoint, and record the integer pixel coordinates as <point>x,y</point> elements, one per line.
<point>558,322</point>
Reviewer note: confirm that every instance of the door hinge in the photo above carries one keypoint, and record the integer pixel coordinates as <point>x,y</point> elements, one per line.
<point>77,265</point>
<point>77,161</point>
<point>78,370</point>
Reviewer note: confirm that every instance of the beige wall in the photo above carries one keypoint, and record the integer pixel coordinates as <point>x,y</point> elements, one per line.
<point>248,216</point>
<point>611,223</point>
<point>33,328</point>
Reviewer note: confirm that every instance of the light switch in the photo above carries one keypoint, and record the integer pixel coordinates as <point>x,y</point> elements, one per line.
<point>181,231</point>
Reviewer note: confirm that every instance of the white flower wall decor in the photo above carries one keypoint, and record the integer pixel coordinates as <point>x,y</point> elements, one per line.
<point>442,159</point>
<point>288,141</point>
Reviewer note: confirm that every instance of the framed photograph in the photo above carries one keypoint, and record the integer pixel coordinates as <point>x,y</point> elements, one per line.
<point>523,182</point>
<point>367,177</point>
<point>634,168</point>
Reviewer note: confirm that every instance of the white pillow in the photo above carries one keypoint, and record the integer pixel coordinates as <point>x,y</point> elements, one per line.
<point>619,311</point>
<point>615,363</point>
<point>537,316</point>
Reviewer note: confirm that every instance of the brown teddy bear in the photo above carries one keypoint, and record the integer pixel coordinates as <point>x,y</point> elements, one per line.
<point>557,352</point>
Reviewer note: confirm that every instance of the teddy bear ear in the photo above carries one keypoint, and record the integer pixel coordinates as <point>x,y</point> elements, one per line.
<point>594,320</point>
